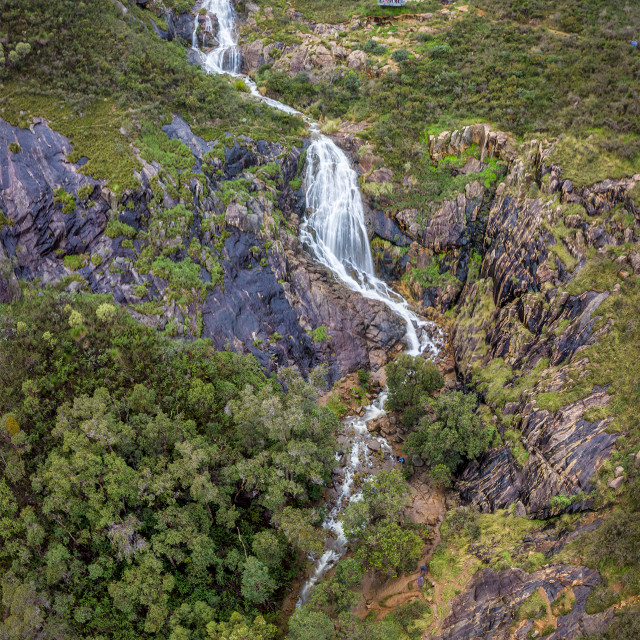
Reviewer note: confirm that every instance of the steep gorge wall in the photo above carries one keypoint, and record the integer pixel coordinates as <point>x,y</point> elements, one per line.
<point>240,275</point>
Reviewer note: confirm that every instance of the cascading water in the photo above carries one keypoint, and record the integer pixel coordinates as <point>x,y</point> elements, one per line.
<point>225,58</point>
<point>336,234</point>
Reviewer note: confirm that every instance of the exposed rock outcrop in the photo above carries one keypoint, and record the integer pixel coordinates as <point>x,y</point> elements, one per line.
<point>488,606</point>
<point>274,295</point>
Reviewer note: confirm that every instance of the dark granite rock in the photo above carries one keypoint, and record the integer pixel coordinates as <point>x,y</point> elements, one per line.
<point>27,182</point>
<point>487,608</point>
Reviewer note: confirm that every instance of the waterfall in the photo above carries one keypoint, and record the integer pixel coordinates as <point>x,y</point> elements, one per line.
<point>225,58</point>
<point>336,234</point>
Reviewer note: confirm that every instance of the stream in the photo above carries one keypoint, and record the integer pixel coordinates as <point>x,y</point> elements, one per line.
<point>335,234</point>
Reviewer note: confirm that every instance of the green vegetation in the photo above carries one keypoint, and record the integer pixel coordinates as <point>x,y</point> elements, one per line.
<point>67,200</point>
<point>75,262</point>
<point>105,72</point>
<point>319,334</point>
<point>533,607</point>
<point>411,381</point>
<point>14,147</point>
<point>85,192</point>
<point>596,158</point>
<point>133,503</point>
<point>456,433</point>
<point>374,525</point>
<point>117,229</point>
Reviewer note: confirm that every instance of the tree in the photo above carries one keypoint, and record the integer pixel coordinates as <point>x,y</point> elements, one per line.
<point>389,548</point>
<point>411,380</point>
<point>240,628</point>
<point>454,434</point>
<point>257,584</point>
<point>308,624</point>
<point>298,525</point>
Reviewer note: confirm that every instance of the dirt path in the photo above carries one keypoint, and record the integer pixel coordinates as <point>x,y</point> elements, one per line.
<point>382,596</point>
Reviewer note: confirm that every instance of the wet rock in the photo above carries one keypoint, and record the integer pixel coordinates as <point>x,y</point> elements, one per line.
<point>489,604</point>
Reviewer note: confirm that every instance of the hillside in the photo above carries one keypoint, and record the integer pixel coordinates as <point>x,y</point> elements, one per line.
<point>176,357</point>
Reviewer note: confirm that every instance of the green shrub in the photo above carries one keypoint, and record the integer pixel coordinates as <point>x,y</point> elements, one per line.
<point>74,262</point>
<point>116,229</point>
<point>85,192</point>
<point>67,199</point>
<point>14,147</point>
<point>400,55</point>
<point>411,380</point>
<point>455,433</point>
<point>319,334</point>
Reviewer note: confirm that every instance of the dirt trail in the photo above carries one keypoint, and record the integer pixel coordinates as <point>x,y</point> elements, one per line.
<point>382,596</point>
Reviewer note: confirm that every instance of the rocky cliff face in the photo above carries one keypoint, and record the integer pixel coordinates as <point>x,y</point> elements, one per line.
<point>191,262</point>
<point>525,313</point>
<point>489,606</point>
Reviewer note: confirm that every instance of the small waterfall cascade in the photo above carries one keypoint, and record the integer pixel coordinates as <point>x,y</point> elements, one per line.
<point>359,460</point>
<point>335,233</point>
<point>225,58</point>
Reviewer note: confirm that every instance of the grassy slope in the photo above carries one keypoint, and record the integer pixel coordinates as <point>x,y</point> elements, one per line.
<point>92,69</point>
<point>520,76</point>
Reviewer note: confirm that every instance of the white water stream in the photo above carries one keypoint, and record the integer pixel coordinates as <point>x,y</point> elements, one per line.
<point>336,234</point>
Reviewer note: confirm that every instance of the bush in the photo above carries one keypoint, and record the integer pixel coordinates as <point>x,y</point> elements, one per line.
<point>400,55</point>
<point>411,380</point>
<point>364,378</point>
<point>14,147</point>
<point>115,229</point>
<point>67,200</point>
<point>456,433</point>
<point>372,47</point>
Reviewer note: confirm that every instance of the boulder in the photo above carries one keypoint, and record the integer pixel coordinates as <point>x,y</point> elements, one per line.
<point>380,176</point>
<point>616,483</point>
<point>374,445</point>
<point>357,60</point>
<point>417,461</point>
<point>619,471</point>
<point>519,510</point>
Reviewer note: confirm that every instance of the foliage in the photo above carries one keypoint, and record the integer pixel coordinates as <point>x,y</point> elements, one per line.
<point>116,229</point>
<point>411,381</point>
<point>455,433</point>
<point>319,334</point>
<point>67,200</point>
<point>533,607</point>
<point>74,262</point>
<point>138,477</point>
<point>106,76</point>
<point>390,549</point>
<point>371,524</point>
<point>14,147</point>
